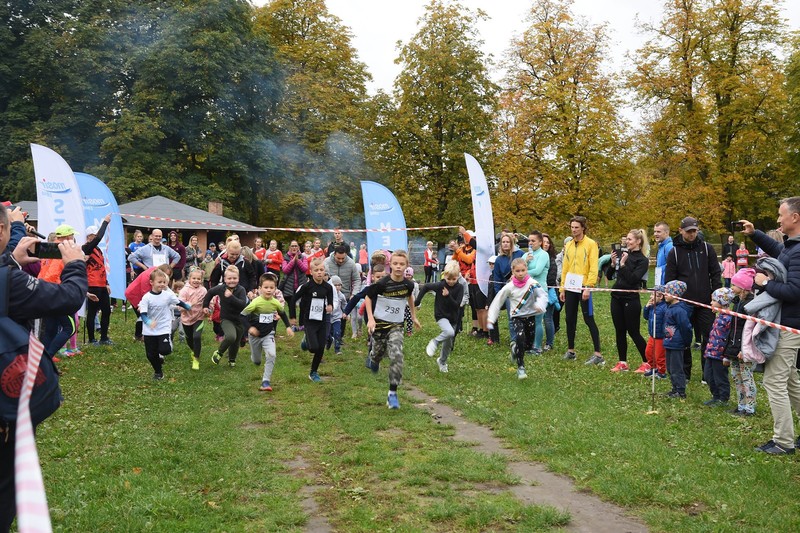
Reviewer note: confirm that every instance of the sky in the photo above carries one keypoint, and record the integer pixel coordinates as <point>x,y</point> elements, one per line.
<point>377,25</point>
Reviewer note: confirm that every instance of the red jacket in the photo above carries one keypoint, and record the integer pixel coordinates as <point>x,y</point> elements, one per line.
<point>139,287</point>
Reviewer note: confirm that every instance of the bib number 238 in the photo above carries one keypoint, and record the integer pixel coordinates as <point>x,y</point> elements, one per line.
<point>390,309</point>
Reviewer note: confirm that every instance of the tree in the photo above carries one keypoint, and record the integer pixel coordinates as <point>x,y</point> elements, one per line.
<point>441,107</point>
<point>322,121</point>
<point>559,143</point>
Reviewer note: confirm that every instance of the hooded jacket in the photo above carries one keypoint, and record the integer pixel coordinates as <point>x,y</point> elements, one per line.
<point>696,264</point>
<point>759,341</point>
<point>677,327</point>
<point>788,292</point>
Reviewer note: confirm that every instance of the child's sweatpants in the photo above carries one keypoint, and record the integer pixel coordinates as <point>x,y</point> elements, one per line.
<point>676,373</point>
<point>233,329</point>
<point>656,355</point>
<point>388,342</point>
<point>716,375</point>
<point>267,345</point>
<point>742,373</point>
<point>445,338</point>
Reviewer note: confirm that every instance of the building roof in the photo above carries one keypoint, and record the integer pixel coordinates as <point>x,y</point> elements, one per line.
<point>160,212</point>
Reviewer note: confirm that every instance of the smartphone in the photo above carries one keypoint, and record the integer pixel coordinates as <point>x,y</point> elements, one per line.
<point>46,250</point>
<point>737,225</point>
<point>615,247</point>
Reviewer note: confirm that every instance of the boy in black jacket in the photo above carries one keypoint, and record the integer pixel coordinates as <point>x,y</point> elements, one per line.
<point>445,310</point>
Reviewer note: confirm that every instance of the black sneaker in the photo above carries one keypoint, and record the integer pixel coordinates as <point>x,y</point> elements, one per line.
<point>768,444</point>
<point>775,449</point>
<point>158,376</point>
<point>676,394</point>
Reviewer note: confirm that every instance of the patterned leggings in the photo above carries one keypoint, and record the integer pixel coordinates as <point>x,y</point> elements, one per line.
<point>742,372</point>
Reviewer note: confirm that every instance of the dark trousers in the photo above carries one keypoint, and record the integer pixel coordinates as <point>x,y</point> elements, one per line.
<point>675,369</point>
<point>428,274</point>
<point>57,332</point>
<point>8,498</point>
<point>194,336</point>
<point>316,335</point>
<point>702,320</point>
<point>524,329</point>
<point>137,328</point>
<point>716,375</point>
<point>627,318</point>
<point>233,330</point>
<point>571,302</point>
<point>156,347</point>
<point>104,306</point>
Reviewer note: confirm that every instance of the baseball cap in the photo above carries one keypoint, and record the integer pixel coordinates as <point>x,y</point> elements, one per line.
<point>91,230</point>
<point>65,230</point>
<point>492,259</point>
<point>689,223</point>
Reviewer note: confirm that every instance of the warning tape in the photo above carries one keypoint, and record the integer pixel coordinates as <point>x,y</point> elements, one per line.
<point>296,230</point>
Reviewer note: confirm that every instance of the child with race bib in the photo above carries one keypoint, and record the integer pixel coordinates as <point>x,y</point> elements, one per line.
<point>526,299</point>
<point>261,315</point>
<point>232,299</point>
<point>316,303</point>
<point>192,319</point>
<point>156,312</point>
<point>385,304</point>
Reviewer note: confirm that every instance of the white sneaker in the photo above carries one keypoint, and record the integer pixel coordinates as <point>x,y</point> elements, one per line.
<point>521,373</point>
<point>431,348</point>
<point>442,366</point>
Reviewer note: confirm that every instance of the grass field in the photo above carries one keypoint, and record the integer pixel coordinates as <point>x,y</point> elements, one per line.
<point>206,451</point>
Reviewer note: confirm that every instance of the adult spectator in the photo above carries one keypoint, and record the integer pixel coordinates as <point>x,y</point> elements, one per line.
<point>212,249</point>
<point>363,258</point>
<point>194,256</point>
<point>342,265</point>
<point>273,259</point>
<point>538,262</point>
<point>154,253</point>
<point>551,316</point>
<point>28,300</point>
<point>138,242</point>
<point>174,242</point>
<point>233,256</point>
<point>780,377</point>
<point>626,307</point>
<point>730,247</point>
<point>430,263</point>
<point>578,276</point>
<point>742,256</point>
<point>99,290</point>
<point>694,261</point>
<point>466,255</point>
<point>353,251</point>
<point>338,240</point>
<point>136,291</point>
<point>664,241</point>
<point>295,268</point>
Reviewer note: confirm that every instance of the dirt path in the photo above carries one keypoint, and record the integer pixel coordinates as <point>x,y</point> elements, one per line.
<point>317,522</point>
<point>538,486</point>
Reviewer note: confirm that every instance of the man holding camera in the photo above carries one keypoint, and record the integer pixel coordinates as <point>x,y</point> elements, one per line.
<point>29,299</point>
<point>694,261</point>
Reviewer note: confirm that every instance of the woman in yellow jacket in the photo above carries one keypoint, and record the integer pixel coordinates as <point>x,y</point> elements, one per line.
<point>578,273</point>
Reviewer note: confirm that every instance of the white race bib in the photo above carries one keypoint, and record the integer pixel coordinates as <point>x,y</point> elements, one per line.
<point>159,259</point>
<point>573,282</point>
<point>390,309</point>
<point>316,309</point>
<point>266,318</point>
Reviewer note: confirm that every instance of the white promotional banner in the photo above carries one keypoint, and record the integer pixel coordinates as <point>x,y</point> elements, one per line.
<point>58,197</point>
<point>484,221</point>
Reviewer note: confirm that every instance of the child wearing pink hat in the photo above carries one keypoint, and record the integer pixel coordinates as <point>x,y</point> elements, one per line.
<point>741,369</point>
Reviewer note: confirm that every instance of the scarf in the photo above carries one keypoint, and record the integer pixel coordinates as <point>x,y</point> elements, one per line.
<point>520,283</point>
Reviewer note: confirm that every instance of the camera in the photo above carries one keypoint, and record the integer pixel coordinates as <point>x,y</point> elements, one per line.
<point>46,250</point>
<point>737,225</point>
<point>11,207</point>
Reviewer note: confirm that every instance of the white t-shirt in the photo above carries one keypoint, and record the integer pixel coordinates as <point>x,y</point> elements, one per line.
<point>159,310</point>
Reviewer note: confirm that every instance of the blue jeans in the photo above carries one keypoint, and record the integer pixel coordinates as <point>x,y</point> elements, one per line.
<point>549,326</point>
<point>336,335</point>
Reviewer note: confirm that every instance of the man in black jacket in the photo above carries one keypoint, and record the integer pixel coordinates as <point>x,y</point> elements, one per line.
<point>730,247</point>
<point>780,376</point>
<point>694,261</point>
<point>28,299</point>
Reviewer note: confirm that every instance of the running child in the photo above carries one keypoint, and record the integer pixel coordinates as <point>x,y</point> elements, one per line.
<point>409,275</point>
<point>261,316</point>
<point>232,299</point>
<point>339,303</point>
<point>316,303</point>
<point>385,303</point>
<point>654,313</point>
<point>526,299</point>
<point>446,310</point>
<point>715,364</point>
<point>156,312</point>
<point>677,335</point>
<point>192,320</point>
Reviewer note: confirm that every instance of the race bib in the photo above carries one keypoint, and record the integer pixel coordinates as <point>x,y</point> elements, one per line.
<point>316,309</point>
<point>159,259</point>
<point>390,309</point>
<point>573,282</point>
<point>266,318</point>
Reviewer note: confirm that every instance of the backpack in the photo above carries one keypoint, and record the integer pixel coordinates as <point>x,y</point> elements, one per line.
<point>46,397</point>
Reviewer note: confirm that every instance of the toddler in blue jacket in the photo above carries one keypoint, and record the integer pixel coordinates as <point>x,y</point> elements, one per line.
<point>677,335</point>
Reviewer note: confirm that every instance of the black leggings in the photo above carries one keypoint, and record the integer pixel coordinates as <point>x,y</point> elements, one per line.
<point>316,335</point>
<point>571,302</point>
<point>194,336</point>
<point>104,306</point>
<point>524,329</point>
<point>428,274</point>
<point>627,317</point>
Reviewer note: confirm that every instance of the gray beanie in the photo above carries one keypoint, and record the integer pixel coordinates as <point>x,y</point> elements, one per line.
<point>336,280</point>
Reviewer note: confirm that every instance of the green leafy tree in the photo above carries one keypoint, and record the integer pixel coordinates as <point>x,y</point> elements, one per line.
<point>442,107</point>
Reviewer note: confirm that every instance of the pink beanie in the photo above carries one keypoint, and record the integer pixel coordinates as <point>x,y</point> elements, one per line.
<point>744,279</point>
<point>409,271</point>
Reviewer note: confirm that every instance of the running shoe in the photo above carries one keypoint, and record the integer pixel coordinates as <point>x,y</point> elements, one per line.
<point>313,376</point>
<point>195,363</point>
<point>442,366</point>
<point>431,348</point>
<point>569,355</point>
<point>596,360</point>
<point>521,373</point>
<point>265,386</point>
<point>643,369</point>
<point>622,366</point>
<point>215,357</point>
<point>392,402</point>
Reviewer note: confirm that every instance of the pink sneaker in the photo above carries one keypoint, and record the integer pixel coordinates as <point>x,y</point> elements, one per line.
<point>643,368</point>
<point>622,366</point>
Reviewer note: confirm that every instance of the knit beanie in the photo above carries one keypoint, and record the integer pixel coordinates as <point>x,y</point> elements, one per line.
<point>335,280</point>
<point>744,278</point>
<point>723,296</point>
<point>675,288</point>
<point>409,271</point>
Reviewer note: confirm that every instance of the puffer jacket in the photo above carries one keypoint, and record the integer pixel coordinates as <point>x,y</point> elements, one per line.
<point>718,338</point>
<point>760,341</point>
